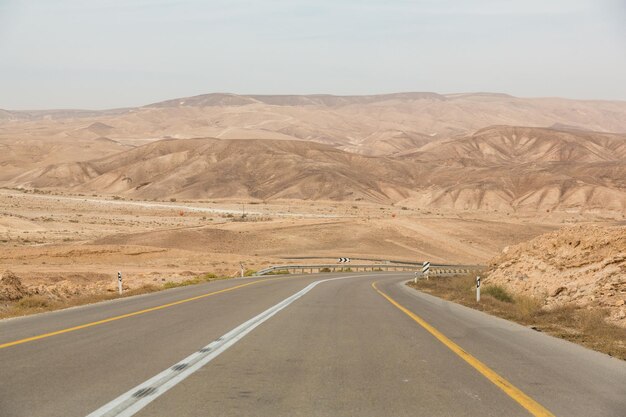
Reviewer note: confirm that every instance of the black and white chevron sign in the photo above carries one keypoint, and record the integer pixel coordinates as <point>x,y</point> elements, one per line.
<point>344,260</point>
<point>425,267</point>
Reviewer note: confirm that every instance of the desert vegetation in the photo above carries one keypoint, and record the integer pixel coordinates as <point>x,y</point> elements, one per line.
<point>586,326</point>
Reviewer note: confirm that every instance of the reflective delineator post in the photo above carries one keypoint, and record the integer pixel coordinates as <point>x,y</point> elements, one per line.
<point>426,269</point>
<point>477,289</point>
<point>119,282</point>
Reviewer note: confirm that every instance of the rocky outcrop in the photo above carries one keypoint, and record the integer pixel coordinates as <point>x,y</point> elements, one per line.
<point>11,288</point>
<point>584,265</point>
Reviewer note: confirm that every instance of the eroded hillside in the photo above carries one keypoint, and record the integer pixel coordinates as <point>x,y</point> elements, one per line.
<point>584,265</point>
<point>509,169</point>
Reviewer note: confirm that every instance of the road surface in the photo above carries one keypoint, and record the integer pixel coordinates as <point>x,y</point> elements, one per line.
<point>310,345</point>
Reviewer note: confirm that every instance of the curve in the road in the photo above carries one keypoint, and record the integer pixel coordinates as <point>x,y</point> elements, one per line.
<point>512,391</point>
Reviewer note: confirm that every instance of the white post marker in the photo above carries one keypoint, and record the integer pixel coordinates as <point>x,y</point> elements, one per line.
<point>477,289</point>
<point>242,270</point>
<point>425,269</point>
<point>119,282</point>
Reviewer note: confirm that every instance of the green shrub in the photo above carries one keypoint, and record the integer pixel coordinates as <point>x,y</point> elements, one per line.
<point>498,292</point>
<point>209,276</point>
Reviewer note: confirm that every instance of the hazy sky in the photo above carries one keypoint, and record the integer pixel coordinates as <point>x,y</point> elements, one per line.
<point>116,53</point>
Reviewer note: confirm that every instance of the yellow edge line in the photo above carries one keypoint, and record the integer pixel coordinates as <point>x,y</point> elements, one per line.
<point>512,391</point>
<point>123,316</point>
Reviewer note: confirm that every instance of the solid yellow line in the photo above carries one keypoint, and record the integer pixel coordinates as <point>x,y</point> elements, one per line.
<point>123,316</point>
<point>512,391</point>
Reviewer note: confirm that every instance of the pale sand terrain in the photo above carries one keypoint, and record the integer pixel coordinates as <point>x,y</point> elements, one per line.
<point>74,244</point>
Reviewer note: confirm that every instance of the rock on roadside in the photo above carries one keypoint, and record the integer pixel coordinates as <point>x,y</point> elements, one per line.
<point>11,288</point>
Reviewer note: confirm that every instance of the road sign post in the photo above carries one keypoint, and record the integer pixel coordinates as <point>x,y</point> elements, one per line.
<point>426,269</point>
<point>119,282</point>
<point>477,289</point>
<point>343,260</point>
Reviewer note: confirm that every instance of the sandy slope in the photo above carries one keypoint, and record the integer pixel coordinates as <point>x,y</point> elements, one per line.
<point>582,264</point>
<point>75,246</point>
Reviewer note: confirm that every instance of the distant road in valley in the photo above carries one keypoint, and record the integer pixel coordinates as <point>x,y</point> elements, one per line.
<point>171,206</point>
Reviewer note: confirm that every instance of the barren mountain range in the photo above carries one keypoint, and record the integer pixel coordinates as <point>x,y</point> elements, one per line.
<point>458,151</point>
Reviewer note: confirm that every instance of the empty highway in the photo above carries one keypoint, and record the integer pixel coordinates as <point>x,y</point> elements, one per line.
<point>360,344</point>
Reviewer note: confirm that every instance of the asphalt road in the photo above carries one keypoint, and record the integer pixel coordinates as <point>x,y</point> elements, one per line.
<point>283,347</point>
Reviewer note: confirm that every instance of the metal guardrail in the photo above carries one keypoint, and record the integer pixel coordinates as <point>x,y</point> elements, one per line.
<point>435,270</point>
<point>379,260</point>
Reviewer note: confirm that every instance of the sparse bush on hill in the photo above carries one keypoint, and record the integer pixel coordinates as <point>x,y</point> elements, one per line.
<point>498,292</point>
<point>587,327</point>
<point>193,281</point>
<point>33,302</point>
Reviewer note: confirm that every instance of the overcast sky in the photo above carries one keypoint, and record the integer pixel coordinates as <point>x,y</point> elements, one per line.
<point>117,53</point>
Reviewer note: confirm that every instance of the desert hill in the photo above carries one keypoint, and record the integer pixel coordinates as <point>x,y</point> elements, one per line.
<point>528,169</point>
<point>496,145</point>
<point>325,100</point>
<point>448,151</point>
<point>274,169</point>
<point>18,155</point>
<point>201,168</point>
<point>372,125</point>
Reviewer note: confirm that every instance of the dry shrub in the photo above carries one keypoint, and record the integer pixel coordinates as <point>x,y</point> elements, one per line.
<point>527,307</point>
<point>585,326</point>
<point>499,293</point>
<point>33,302</point>
<point>465,284</point>
<point>38,303</point>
